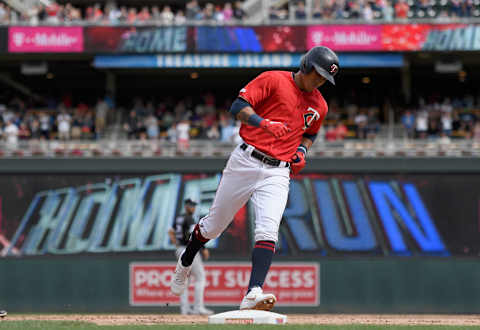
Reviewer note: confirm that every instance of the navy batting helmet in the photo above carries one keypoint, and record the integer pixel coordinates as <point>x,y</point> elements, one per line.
<point>323,60</point>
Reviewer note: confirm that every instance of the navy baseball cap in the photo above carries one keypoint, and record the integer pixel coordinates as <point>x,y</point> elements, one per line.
<point>190,202</point>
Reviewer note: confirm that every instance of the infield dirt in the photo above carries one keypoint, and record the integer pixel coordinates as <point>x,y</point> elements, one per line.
<point>340,319</point>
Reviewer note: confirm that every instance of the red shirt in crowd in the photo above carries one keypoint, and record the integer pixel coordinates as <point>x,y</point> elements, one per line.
<point>401,9</point>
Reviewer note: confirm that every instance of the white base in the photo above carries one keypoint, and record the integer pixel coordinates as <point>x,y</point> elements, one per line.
<point>248,316</point>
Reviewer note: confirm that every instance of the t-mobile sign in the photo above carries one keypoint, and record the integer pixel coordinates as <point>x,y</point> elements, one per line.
<point>45,39</point>
<point>294,284</point>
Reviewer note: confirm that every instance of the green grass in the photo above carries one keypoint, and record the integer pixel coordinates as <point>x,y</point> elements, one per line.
<point>68,325</point>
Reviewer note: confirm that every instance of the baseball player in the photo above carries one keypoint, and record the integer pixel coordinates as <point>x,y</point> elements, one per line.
<point>281,113</point>
<point>179,233</point>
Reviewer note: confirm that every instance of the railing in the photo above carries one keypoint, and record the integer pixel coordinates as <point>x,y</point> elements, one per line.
<point>255,22</point>
<point>204,148</point>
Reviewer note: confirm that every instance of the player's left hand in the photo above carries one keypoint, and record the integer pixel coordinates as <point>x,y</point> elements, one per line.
<point>297,163</point>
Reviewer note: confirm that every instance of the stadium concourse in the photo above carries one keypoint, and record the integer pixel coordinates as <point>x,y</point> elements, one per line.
<point>64,117</point>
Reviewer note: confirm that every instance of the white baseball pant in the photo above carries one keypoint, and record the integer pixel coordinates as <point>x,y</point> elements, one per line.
<point>198,272</point>
<point>246,178</point>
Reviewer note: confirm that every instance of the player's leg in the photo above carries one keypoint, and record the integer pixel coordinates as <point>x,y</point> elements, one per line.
<point>198,272</point>
<point>236,186</point>
<point>269,201</point>
<point>184,304</point>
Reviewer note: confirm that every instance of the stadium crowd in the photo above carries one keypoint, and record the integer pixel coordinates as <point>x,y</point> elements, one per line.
<point>204,117</point>
<point>446,119</point>
<point>193,10</point>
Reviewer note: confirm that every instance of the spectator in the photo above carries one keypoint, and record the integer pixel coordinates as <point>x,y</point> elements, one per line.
<point>401,9</point>
<point>227,12</point>
<point>361,121</point>
<point>34,128</point>
<point>456,8</point>
<point>192,10</point>
<point>52,12</point>
<point>236,138</point>
<point>433,128</point>
<point>421,124</point>
<point>101,111</point>
<point>151,124</point>
<point>367,12</point>
<point>156,15</point>
<point>218,14</point>
<point>212,131</point>
<point>132,15</point>
<point>3,13</point>
<point>467,8</point>
<point>373,125</point>
<point>45,125</point>
<point>208,12</point>
<point>131,126</point>
<point>23,132</point>
<point>447,123</point>
<point>113,13</point>
<point>123,18</point>
<point>11,134</point>
<point>476,131</point>
<point>167,15</point>
<point>144,15</point>
<point>387,11</point>
<point>340,131</point>
<point>183,135</point>
<point>238,12</point>
<point>330,133</point>
<point>97,13</point>
<point>77,124</point>
<point>180,18</point>
<point>300,13</point>
<point>317,10</point>
<point>408,122</point>
<point>172,133</point>
<point>63,124</point>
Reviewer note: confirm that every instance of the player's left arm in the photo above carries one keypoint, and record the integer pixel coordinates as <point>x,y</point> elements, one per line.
<point>299,159</point>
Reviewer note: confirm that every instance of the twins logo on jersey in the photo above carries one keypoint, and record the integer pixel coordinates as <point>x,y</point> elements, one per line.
<point>309,117</point>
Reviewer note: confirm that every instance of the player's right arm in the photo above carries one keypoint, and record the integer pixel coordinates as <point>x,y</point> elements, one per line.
<point>251,96</point>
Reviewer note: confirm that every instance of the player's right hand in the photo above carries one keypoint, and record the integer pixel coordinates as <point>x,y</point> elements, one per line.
<point>276,128</point>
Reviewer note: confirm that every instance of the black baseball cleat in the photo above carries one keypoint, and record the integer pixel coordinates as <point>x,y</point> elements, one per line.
<point>3,314</point>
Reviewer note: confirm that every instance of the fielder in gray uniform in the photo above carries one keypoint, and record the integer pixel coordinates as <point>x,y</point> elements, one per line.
<point>179,234</point>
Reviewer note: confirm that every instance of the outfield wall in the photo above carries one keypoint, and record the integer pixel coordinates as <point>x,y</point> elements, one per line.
<point>414,249</point>
<point>101,284</point>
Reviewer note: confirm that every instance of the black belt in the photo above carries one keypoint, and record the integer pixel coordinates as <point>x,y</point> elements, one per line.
<point>264,159</point>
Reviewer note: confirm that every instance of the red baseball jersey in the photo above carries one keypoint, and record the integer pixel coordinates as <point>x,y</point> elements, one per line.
<point>274,95</point>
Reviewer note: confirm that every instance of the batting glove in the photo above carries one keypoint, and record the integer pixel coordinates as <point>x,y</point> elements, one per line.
<point>298,162</point>
<point>276,128</point>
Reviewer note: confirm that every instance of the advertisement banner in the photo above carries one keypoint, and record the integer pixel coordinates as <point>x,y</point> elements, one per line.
<point>240,40</point>
<point>139,40</point>
<point>248,39</point>
<point>345,37</point>
<point>270,60</point>
<point>326,215</point>
<point>45,39</point>
<point>396,37</point>
<point>294,284</point>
